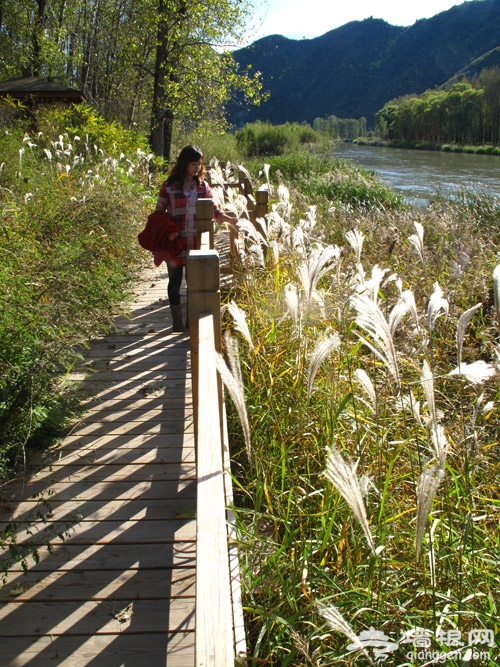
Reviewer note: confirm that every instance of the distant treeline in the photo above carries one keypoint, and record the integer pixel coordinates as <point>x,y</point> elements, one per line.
<point>466,113</point>
<point>341,128</point>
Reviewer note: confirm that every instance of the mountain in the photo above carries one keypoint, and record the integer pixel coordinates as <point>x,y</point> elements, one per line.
<point>354,70</point>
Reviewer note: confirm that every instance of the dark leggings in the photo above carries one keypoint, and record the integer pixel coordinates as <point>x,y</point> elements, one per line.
<point>174,284</point>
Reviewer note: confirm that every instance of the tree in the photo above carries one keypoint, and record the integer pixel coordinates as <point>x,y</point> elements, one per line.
<point>489,79</point>
<point>144,63</point>
<point>192,76</point>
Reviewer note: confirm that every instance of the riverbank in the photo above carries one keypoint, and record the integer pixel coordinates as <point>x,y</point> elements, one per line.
<point>421,176</point>
<point>485,149</point>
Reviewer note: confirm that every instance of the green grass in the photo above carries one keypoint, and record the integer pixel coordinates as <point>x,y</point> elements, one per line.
<point>300,543</point>
<point>71,208</point>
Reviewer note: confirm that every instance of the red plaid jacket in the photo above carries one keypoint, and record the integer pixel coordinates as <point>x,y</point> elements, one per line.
<point>174,202</point>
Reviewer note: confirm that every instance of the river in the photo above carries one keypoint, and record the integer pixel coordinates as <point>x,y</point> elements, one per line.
<point>420,175</point>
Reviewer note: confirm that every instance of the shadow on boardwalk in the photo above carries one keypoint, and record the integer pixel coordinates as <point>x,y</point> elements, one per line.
<point>120,589</point>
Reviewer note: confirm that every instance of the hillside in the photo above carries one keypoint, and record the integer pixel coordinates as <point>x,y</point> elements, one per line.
<point>354,70</point>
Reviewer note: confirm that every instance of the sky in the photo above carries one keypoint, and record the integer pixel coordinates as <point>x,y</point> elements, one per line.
<point>298,19</point>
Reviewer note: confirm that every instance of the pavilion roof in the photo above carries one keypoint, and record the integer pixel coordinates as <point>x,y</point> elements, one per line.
<point>43,89</point>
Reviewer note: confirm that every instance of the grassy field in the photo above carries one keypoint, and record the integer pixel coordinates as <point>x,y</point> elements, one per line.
<point>367,497</point>
<point>73,195</point>
<point>366,334</point>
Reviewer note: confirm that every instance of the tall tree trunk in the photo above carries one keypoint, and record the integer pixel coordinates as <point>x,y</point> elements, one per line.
<point>158,106</point>
<point>156,139</point>
<point>168,127</point>
<point>37,37</point>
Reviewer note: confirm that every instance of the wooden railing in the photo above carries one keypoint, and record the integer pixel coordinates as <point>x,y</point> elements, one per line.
<point>219,623</point>
<point>219,637</point>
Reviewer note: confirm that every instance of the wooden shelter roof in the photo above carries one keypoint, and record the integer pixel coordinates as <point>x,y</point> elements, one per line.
<point>43,89</point>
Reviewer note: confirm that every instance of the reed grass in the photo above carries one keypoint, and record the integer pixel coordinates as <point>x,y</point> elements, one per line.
<point>71,204</point>
<point>373,485</point>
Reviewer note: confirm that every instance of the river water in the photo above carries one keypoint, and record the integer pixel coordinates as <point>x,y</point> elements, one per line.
<point>420,175</point>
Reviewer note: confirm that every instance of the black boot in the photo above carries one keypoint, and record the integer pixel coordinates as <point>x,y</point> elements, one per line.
<point>176,311</point>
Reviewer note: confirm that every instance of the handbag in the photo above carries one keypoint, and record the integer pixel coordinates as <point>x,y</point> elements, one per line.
<point>154,236</point>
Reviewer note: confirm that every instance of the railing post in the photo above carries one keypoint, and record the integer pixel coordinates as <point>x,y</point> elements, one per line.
<point>205,220</point>
<point>203,278</point>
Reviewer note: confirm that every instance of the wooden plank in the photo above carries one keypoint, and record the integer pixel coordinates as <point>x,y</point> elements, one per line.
<point>151,353</point>
<point>214,634</point>
<point>121,376</point>
<point>123,455</point>
<point>151,650</point>
<point>152,387</point>
<point>117,472</point>
<point>83,585</point>
<point>112,442</point>
<point>98,510</point>
<point>136,428</point>
<point>94,617</point>
<point>120,341</point>
<point>104,532</point>
<point>166,359</point>
<point>135,441</point>
<point>119,490</point>
<point>140,401</point>
<point>109,556</point>
<point>158,415</point>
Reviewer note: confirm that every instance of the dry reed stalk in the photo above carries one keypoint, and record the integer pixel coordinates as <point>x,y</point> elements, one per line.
<point>371,319</point>
<point>321,350</point>
<point>427,487</point>
<point>496,292</point>
<point>233,381</point>
<point>344,478</point>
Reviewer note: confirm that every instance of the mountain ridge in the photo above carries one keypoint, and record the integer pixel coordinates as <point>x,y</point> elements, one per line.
<point>353,70</point>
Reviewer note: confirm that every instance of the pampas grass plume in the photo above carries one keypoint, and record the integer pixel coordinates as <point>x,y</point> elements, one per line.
<point>417,240</point>
<point>233,382</point>
<point>438,305</point>
<point>371,319</point>
<point>355,239</point>
<point>364,380</point>
<point>321,350</point>
<point>344,478</point>
<point>314,267</point>
<point>477,372</point>
<point>338,623</point>
<point>428,484</point>
<point>240,322</point>
<point>463,322</point>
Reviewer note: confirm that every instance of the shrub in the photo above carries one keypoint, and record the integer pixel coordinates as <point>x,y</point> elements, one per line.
<point>69,224</point>
<point>260,139</point>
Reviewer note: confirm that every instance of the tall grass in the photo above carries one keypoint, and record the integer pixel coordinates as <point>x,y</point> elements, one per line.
<point>372,489</point>
<point>71,201</point>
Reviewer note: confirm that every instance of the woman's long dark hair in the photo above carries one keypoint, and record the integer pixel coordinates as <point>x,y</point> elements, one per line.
<point>187,155</point>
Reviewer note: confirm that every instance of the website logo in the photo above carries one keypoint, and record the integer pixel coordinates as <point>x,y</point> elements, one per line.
<point>419,644</point>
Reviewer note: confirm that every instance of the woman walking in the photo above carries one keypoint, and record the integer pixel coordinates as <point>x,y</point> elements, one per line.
<point>177,197</point>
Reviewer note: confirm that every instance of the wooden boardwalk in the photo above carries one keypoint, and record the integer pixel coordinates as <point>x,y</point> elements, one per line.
<point>120,589</point>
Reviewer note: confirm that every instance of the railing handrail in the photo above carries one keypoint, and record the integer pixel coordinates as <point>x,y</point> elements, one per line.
<point>219,625</point>
<point>215,643</point>
<point>214,616</point>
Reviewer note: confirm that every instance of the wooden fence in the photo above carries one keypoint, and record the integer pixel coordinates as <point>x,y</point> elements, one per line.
<point>220,634</point>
